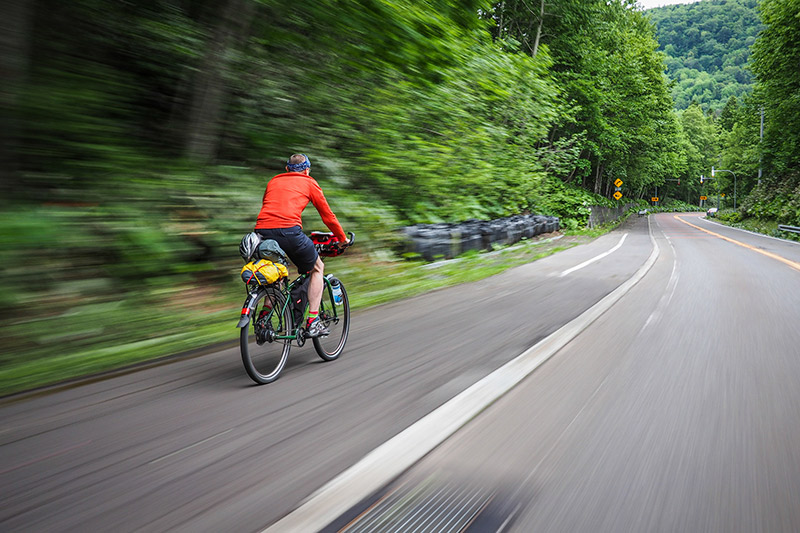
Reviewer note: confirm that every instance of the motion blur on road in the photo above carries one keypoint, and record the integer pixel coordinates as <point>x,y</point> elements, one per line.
<point>525,354</point>
<point>675,409</point>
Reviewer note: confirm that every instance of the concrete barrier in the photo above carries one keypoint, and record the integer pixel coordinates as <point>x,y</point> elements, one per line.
<point>600,215</point>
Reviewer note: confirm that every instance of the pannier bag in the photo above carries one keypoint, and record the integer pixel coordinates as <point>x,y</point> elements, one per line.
<point>299,296</point>
<point>263,272</point>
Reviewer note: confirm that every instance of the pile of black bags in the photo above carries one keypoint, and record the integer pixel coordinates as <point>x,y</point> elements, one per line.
<point>449,240</point>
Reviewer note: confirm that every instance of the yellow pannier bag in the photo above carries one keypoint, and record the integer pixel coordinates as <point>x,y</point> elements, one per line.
<point>263,272</point>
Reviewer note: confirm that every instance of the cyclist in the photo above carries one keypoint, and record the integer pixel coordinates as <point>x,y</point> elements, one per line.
<point>280,219</point>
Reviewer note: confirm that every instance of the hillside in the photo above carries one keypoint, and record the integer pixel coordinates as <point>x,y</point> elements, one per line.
<point>708,47</point>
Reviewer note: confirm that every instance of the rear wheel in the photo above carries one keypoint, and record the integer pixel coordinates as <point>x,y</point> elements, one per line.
<point>337,319</point>
<point>263,355</point>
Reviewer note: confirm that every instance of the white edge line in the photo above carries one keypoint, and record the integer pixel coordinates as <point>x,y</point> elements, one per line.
<point>669,291</point>
<point>597,258</point>
<point>402,451</point>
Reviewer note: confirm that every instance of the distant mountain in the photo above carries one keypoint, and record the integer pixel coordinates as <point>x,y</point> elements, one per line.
<point>707,45</point>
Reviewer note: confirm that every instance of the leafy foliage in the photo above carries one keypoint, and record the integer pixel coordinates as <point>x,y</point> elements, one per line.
<point>707,45</point>
<point>776,200</point>
<point>571,204</point>
<point>140,136</point>
<point>776,55</point>
<point>620,115</point>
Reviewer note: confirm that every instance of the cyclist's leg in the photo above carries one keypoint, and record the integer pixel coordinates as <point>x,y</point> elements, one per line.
<point>315,286</point>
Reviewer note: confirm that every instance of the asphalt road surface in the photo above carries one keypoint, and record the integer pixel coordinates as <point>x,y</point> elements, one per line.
<point>678,409</point>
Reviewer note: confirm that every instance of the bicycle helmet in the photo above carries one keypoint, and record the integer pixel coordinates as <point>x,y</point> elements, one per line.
<point>249,246</point>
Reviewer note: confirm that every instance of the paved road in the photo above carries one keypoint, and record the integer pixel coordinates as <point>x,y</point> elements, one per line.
<point>193,446</point>
<point>678,410</point>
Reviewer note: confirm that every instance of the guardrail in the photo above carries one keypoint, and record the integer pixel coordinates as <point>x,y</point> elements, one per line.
<point>793,229</point>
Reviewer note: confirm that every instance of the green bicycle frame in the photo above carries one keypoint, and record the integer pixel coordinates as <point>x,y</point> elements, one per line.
<point>249,306</point>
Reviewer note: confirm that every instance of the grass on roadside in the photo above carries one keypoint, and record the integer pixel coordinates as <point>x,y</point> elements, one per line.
<point>185,325</point>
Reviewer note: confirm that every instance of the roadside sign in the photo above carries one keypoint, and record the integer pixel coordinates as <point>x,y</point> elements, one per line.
<point>704,197</point>
<point>617,195</point>
<point>654,199</point>
<point>618,182</point>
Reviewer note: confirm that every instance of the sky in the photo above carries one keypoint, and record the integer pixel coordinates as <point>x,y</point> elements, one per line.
<point>647,4</point>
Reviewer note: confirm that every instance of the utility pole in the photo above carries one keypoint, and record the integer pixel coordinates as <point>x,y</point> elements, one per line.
<point>760,140</point>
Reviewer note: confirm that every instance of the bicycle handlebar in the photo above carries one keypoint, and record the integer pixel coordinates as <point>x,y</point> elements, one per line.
<point>327,245</point>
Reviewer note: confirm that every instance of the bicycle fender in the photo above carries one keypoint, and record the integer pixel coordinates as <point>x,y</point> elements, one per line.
<point>247,310</point>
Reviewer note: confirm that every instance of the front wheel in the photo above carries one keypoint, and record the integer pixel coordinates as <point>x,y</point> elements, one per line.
<point>337,319</point>
<point>264,355</point>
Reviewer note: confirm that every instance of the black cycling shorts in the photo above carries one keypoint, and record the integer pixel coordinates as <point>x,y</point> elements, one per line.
<point>296,244</point>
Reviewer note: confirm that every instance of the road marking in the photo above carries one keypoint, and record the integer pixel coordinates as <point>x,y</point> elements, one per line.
<point>592,260</point>
<point>666,298</point>
<point>402,451</point>
<point>795,265</point>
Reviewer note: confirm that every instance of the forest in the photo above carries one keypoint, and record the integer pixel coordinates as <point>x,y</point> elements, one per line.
<point>707,45</point>
<point>138,137</point>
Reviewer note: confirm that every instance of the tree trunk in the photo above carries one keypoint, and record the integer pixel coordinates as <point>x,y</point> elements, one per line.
<point>500,34</point>
<point>538,30</point>
<point>210,93</point>
<point>598,178</point>
<point>15,16</point>
<point>610,187</point>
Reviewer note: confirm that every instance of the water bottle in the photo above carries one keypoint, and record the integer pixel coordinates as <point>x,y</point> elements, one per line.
<point>336,288</point>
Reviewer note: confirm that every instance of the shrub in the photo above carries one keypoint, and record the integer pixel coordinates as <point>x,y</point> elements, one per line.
<point>729,216</point>
<point>567,202</point>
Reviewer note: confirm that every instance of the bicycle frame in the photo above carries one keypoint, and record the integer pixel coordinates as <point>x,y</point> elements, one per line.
<point>248,309</point>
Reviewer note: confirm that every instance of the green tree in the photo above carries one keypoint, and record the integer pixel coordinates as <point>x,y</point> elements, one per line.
<point>701,146</point>
<point>708,48</point>
<point>15,18</point>
<point>727,117</point>
<point>776,55</point>
<point>612,80</point>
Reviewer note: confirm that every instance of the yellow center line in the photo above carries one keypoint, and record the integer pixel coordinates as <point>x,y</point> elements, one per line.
<point>789,262</point>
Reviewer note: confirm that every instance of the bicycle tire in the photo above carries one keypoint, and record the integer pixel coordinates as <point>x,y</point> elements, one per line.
<point>264,359</point>
<point>337,320</point>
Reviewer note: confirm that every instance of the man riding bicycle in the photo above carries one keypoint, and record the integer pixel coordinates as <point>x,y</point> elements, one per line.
<point>280,219</point>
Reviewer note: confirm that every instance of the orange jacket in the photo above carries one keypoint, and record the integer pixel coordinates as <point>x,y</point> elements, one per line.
<point>286,197</point>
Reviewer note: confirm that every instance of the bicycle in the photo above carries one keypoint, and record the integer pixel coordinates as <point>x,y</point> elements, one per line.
<point>276,324</point>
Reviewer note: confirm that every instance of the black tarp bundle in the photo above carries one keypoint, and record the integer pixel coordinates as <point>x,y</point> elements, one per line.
<point>445,240</point>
